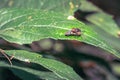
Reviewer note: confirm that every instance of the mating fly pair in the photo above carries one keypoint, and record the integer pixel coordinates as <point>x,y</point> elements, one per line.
<point>73,32</point>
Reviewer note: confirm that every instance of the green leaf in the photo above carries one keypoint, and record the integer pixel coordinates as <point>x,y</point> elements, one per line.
<point>31,74</point>
<point>107,28</point>
<point>104,24</point>
<point>24,26</point>
<point>102,20</point>
<point>64,6</point>
<point>88,6</point>
<point>60,69</point>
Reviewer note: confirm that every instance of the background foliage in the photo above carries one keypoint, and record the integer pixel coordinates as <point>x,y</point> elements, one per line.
<point>25,21</point>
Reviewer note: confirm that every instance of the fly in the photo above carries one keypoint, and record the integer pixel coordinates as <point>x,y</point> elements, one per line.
<point>73,32</point>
